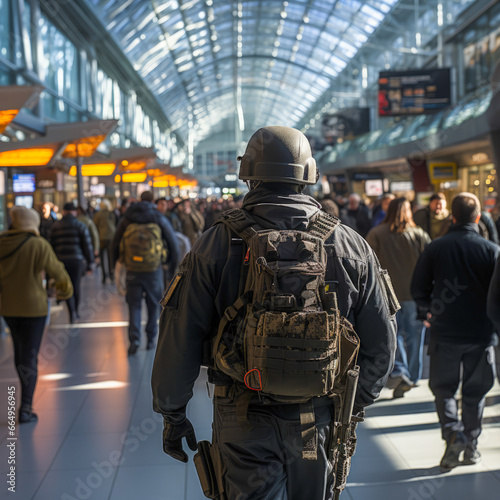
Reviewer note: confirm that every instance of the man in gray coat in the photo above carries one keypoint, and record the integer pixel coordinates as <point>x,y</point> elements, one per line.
<point>277,165</point>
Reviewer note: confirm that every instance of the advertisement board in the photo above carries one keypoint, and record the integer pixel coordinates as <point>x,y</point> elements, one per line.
<point>413,92</point>
<point>480,58</point>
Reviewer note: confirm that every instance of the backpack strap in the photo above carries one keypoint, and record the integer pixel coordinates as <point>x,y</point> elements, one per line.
<point>323,225</point>
<point>10,254</point>
<point>241,223</point>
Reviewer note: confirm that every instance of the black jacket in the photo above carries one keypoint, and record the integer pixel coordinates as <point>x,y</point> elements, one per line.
<point>143,212</point>
<point>70,239</point>
<point>358,219</point>
<point>209,284</point>
<point>451,281</point>
<point>494,297</point>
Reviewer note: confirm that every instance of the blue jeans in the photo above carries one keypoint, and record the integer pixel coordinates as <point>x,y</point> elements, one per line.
<point>150,286</point>
<point>410,342</point>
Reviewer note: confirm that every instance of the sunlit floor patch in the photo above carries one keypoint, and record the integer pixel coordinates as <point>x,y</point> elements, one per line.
<point>55,376</point>
<point>102,324</point>
<point>108,384</point>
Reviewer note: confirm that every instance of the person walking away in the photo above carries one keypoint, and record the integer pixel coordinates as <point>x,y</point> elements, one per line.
<point>72,244</point>
<point>24,256</point>
<point>330,207</point>
<point>494,309</point>
<point>255,432</point>
<point>356,215</point>
<point>82,216</point>
<point>435,218</point>
<point>450,286</point>
<point>380,210</point>
<point>182,241</point>
<point>398,243</point>
<point>141,238</point>
<point>105,220</point>
<point>191,219</point>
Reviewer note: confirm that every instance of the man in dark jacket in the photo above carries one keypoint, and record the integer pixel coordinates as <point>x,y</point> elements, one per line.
<point>450,285</point>
<point>277,164</point>
<point>494,308</point>
<point>150,283</point>
<point>356,215</point>
<point>71,241</point>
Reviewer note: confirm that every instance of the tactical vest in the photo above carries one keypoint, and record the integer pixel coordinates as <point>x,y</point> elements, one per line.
<point>284,336</point>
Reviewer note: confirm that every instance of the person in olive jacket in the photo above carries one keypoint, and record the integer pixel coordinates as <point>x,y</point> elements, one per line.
<point>24,255</point>
<point>71,241</point>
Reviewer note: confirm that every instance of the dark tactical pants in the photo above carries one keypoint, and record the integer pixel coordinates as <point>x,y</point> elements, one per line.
<point>265,462</point>
<point>474,365</point>
<point>150,286</point>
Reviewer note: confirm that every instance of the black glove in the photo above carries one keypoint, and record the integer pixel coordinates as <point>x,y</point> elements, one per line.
<point>172,439</point>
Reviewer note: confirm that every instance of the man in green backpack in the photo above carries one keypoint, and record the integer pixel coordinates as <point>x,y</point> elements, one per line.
<point>277,299</point>
<point>142,238</point>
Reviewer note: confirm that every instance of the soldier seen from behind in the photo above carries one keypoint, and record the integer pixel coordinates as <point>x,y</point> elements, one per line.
<point>265,298</point>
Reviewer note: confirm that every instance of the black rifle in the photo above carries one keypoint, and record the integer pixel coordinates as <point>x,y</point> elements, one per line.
<point>345,445</point>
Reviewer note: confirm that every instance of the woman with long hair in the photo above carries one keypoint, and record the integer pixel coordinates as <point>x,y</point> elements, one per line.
<point>398,243</point>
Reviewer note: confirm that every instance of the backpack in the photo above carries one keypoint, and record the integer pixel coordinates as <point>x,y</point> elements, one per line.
<point>141,247</point>
<point>284,336</point>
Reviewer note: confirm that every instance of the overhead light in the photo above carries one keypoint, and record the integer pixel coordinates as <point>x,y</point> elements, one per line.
<point>155,172</point>
<point>117,178</point>
<point>135,177</point>
<point>29,157</point>
<point>134,166</point>
<point>84,147</point>
<point>6,116</point>
<point>96,169</point>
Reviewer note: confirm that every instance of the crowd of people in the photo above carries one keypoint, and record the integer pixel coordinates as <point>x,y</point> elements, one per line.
<point>433,256</point>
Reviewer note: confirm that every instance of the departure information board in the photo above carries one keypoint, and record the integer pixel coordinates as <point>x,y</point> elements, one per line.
<point>413,92</point>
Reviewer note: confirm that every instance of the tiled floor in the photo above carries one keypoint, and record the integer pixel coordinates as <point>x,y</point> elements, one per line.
<point>98,438</point>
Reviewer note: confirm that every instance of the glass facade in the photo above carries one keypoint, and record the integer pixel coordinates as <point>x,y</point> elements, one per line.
<point>77,88</point>
<point>6,39</point>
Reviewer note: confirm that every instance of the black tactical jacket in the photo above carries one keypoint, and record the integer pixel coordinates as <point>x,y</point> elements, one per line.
<point>208,284</point>
<point>70,239</point>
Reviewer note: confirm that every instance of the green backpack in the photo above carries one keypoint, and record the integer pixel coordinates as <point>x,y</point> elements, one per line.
<point>141,247</point>
<point>284,336</point>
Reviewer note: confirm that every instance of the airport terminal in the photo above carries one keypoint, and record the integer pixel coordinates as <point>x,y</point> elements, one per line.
<point>249,250</point>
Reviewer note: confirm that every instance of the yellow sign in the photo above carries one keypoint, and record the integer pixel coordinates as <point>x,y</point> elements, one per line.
<point>443,171</point>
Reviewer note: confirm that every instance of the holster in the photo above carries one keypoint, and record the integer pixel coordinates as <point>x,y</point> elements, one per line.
<point>206,471</point>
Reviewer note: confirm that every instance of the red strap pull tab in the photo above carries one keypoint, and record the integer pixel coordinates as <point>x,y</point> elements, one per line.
<point>247,256</point>
<point>260,379</point>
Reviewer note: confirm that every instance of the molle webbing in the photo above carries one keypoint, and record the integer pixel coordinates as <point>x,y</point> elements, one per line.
<point>323,226</point>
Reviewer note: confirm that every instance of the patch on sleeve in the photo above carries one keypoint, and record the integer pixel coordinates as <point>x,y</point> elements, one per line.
<point>171,289</point>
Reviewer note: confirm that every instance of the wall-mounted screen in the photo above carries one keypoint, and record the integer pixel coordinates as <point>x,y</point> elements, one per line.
<point>23,183</point>
<point>24,201</point>
<point>374,187</point>
<point>413,92</point>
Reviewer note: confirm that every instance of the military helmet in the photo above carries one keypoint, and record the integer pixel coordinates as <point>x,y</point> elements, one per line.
<point>278,154</point>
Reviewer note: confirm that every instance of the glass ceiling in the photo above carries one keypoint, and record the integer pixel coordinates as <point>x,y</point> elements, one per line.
<point>247,63</point>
